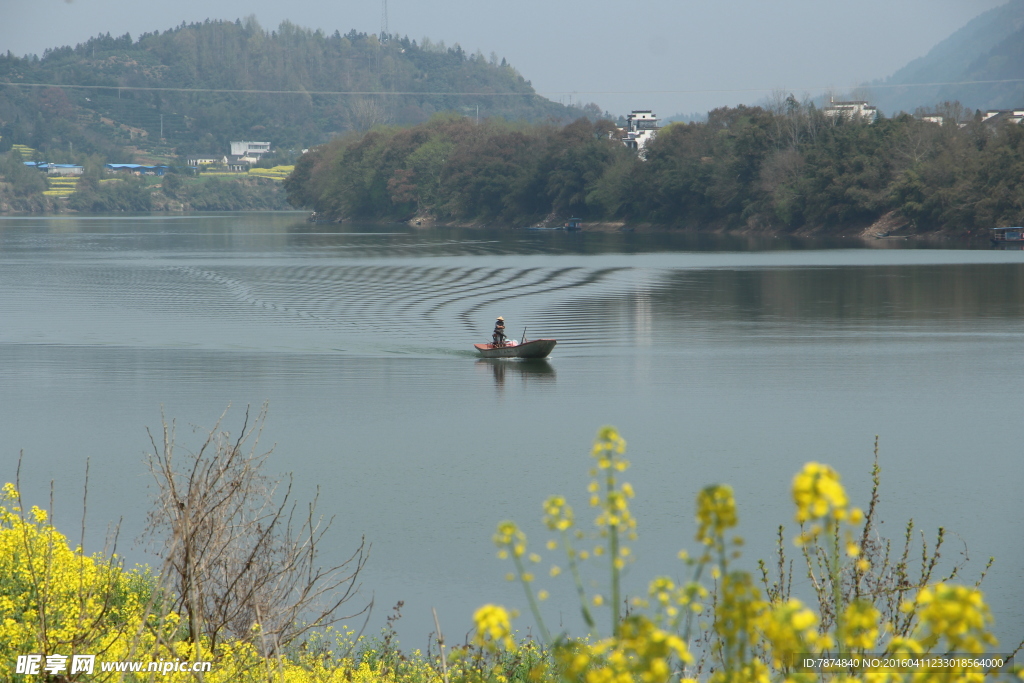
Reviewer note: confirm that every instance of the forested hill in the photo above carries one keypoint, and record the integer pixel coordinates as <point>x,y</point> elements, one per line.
<point>795,169</point>
<point>988,48</point>
<point>230,56</point>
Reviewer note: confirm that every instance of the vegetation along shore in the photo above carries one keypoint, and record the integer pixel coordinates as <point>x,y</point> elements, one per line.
<point>240,595</point>
<point>788,169</point>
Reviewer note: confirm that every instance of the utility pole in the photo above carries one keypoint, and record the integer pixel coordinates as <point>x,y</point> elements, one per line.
<point>161,126</point>
<point>384,21</point>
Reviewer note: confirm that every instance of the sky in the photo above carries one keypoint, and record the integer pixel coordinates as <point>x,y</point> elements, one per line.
<point>672,56</point>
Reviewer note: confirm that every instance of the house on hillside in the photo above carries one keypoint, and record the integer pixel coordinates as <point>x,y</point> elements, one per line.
<point>853,110</point>
<point>248,152</point>
<point>64,170</point>
<point>136,169</point>
<point>996,116</point>
<point>641,127</point>
<point>54,169</point>
<point>243,155</point>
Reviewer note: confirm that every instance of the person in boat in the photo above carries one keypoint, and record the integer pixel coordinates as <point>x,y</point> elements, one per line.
<point>499,332</point>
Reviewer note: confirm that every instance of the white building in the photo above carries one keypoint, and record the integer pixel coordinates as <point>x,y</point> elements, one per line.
<point>641,127</point>
<point>249,149</point>
<point>999,115</point>
<point>855,109</point>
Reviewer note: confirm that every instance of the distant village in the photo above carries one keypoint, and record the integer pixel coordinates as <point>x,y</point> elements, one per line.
<point>642,125</point>
<point>243,156</point>
<point>641,128</point>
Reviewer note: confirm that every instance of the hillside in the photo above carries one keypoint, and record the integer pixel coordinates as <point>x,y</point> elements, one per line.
<point>747,168</point>
<point>988,48</point>
<point>154,93</point>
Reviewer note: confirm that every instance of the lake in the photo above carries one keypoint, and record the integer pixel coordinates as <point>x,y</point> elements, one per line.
<point>719,359</point>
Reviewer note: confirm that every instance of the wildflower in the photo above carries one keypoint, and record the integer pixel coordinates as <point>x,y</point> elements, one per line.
<point>509,536</point>
<point>609,443</point>
<point>790,628</point>
<point>818,493</point>
<point>716,512</point>
<point>956,614</point>
<point>642,652</point>
<point>493,628</point>
<point>860,626</point>
<point>738,613</point>
<point>557,514</point>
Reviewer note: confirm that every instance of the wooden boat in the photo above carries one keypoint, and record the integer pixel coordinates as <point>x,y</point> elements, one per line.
<point>535,348</point>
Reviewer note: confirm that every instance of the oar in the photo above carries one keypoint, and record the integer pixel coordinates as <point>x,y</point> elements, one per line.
<point>523,340</point>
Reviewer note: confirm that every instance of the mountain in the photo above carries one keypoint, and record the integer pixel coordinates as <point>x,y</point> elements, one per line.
<point>988,48</point>
<point>192,89</point>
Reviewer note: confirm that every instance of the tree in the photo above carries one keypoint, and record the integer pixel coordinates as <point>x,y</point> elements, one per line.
<point>242,565</point>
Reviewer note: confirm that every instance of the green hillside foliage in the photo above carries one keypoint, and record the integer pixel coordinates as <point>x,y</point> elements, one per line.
<point>452,168</point>
<point>789,169</point>
<point>988,48</point>
<point>63,120</point>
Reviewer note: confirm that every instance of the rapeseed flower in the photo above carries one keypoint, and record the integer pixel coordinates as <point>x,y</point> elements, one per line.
<point>957,616</point>
<point>716,513</point>
<point>493,628</point>
<point>860,628</point>
<point>818,493</point>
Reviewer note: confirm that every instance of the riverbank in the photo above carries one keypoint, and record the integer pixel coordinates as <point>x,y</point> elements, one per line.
<point>168,194</point>
<point>890,227</point>
<point>733,173</point>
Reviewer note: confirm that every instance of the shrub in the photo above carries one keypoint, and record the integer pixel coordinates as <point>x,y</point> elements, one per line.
<point>731,629</point>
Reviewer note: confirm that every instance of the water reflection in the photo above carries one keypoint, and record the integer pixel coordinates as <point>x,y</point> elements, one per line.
<point>529,371</point>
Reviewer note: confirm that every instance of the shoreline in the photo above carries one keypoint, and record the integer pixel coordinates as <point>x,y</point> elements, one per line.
<point>888,227</point>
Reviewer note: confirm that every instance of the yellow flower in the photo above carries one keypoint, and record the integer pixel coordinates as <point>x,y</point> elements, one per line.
<point>642,653</point>
<point>493,628</point>
<point>716,512</point>
<point>790,628</point>
<point>508,536</point>
<point>557,514</point>
<point>860,626</point>
<point>957,615</point>
<point>818,493</point>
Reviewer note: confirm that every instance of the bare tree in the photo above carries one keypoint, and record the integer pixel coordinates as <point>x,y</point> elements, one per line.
<point>235,558</point>
<point>368,112</point>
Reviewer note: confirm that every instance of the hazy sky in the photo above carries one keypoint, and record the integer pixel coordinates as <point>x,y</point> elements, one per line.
<point>668,55</point>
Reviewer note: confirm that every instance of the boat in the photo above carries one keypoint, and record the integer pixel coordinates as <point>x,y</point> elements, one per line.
<point>535,348</point>
<point>1001,236</point>
<point>574,224</point>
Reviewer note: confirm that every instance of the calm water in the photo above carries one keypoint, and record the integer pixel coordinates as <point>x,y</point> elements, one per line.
<point>719,360</point>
